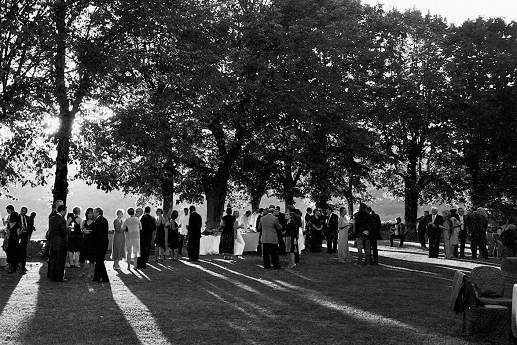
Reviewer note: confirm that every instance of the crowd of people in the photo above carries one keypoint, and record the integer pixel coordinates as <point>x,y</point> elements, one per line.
<point>454,227</point>
<point>74,242</point>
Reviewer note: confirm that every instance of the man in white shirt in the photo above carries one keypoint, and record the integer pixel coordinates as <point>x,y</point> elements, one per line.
<point>183,229</point>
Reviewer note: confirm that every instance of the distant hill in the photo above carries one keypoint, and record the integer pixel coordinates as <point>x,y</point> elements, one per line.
<point>39,199</point>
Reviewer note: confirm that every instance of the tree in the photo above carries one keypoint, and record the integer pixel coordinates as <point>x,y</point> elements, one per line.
<point>24,95</point>
<point>79,50</point>
<point>155,67</point>
<point>412,117</point>
<point>483,71</point>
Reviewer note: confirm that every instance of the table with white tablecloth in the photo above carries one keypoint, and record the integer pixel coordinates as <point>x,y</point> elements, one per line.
<point>209,245</point>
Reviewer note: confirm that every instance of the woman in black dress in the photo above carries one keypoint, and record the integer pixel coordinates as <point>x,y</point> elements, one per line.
<point>173,235</point>
<point>227,235</point>
<point>317,231</point>
<point>73,223</point>
<point>13,236</point>
<point>159,239</point>
<point>87,253</point>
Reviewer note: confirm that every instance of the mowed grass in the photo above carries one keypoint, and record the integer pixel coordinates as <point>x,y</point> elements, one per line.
<point>402,301</point>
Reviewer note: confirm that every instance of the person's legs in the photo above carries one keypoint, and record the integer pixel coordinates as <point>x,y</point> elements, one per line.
<point>360,246</point>
<point>374,250</point>
<point>402,237</point>
<point>266,255</point>
<point>483,251</point>
<point>179,250</point>
<point>474,249</point>
<point>392,237</point>
<point>455,250</point>
<point>463,238</point>
<point>334,243</point>
<point>274,256</point>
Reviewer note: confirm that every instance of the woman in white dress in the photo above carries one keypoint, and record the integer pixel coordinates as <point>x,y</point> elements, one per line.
<point>238,247</point>
<point>455,233</point>
<point>344,225</point>
<point>132,227</point>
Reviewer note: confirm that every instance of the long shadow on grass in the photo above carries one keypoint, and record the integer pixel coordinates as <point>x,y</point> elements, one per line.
<point>77,311</point>
<point>8,282</point>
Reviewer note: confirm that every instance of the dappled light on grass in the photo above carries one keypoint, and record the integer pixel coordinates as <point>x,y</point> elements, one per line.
<point>20,309</point>
<point>136,313</point>
<point>364,315</point>
<point>233,305</point>
<point>153,267</point>
<point>403,269</point>
<point>221,276</point>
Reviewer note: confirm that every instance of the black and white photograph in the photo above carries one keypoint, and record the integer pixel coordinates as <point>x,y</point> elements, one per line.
<point>257,172</point>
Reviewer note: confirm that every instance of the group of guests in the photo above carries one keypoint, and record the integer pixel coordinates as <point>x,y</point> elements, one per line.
<point>17,233</point>
<point>454,227</point>
<point>74,242</point>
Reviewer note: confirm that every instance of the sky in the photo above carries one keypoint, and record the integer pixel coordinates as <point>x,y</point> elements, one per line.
<point>456,11</point>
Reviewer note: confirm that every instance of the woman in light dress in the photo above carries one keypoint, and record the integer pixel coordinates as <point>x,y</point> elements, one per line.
<point>455,233</point>
<point>118,249</point>
<point>238,247</point>
<point>132,227</point>
<point>344,225</point>
<point>160,240</point>
<point>446,230</point>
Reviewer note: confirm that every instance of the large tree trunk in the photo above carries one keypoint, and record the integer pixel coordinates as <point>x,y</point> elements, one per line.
<point>215,198</point>
<point>411,193</point>
<point>168,197</point>
<point>66,117</point>
<point>255,201</point>
<point>350,203</point>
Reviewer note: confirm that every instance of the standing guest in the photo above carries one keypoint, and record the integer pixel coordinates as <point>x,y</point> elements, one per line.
<point>375,235</point>
<point>55,205</point>
<point>12,249</point>
<point>399,231</point>
<point>261,214</point>
<point>283,222</point>
<point>344,226</point>
<point>446,233</point>
<point>477,224</point>
<point>291,238</point>
<point>146,237</point>
<point>247,221</point>
<point>5,221</point>
<point>194,234</point>
<point>73,224</point>
<point>183,230</point>
<point>435,222</point>
<point>174,236</point>
<point>239,244</point>
<point>316,232</point>
<point>269,226</point>
<point>307,230</point>
<point>139,212</point>
<point>361,224</point>
<point>160,239</point>
<point>463,232</point>
<point>100,245</point>
<point>455,233</point>
<point>58,243</point>
<point>226,244</point>
<point>331,230</point>
<point>87,256</point>
<point>422,229</point>
<point>25,225</point>
<point>132,228</point>
<point>118,248</point>
<point>32,227</point>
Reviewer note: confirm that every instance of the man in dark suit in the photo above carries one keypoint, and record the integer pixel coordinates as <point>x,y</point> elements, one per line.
<point>331,230</point>
<point>194,234</point>
<point>422,228</point>
<point>283,222</point>
<point>374,234</point>
<point>146,236</point>
<point>57,245</point>
<point>25,224</point>
<point>100,241</point>
<point>269,225</point>
<point>435,221</point>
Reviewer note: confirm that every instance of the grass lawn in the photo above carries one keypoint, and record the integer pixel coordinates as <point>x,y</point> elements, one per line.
<point>401,301</point>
